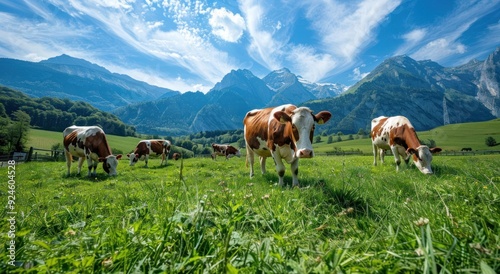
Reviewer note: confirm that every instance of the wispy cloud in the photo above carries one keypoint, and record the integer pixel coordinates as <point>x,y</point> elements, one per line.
<point>442,40</point>
<point>344,30</point>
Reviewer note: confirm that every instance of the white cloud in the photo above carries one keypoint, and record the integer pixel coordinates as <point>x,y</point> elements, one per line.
<point>439,49</point>
<point>309,64</point>
<point>348,29</point>
<point>415,35</point>
<point>263,48</point>
<point>357,74</point>
<point>442,40</point>
<point>344,30</point>
<point>226,25</point>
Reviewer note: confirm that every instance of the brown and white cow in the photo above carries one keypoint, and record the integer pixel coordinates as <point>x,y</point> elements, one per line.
<point>145,147</point>
<point>285,133</point>
<point>89,143</point>
<point>397,134</point>
<point>176,156</point>
<point>227,151</point>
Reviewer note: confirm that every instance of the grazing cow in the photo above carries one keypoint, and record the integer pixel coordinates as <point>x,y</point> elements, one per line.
<point>145,147</point>
<point>89,143</point>
<point>227,151</point>
<point>285,133</point>
<point>176,156</point>
<point>397,134</point>
<point>466,149</point>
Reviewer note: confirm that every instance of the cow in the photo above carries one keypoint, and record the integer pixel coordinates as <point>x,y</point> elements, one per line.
<point>89,143</point>
<point>466,149</point>
<point>227,151</point>
<point>397,134</point>
<point>285,133</point>
<point>176,156</point>
<point>145,147</point>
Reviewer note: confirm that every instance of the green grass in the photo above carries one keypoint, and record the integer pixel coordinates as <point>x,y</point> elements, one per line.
<point>449,138</point>
<point>348,216</point>
<point>44,139</point>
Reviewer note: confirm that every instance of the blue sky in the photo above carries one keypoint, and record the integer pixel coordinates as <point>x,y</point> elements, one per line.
<point>190,45</point>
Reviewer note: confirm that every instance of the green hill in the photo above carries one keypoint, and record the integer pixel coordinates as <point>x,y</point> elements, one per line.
<point>449,138</point>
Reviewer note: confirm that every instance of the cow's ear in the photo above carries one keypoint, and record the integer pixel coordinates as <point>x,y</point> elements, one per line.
<point>411,151</point>
<point>435,150</point>
<point>137,155</point>
<point>128,155</point>
<point>282,117</point>
<point>118,157</point>
<point>322,117</point>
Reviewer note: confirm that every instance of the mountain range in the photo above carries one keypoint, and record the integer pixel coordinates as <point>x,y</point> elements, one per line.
<point>427,93</point>
<point>76,79</point>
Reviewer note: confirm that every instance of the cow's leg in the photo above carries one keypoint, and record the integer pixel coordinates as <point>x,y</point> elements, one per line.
<point>94,166</point>
<point>69,159</point>
<point>407,156</point>
<point>80,164</point>
<point>375,154</point>
<point>250,159</point>
<point>89,165</point>
<point>280,168</point>
<point>295,172</point>
<point>395,151</point>
<point>262,161</point>
<point>163,158</point>
<point>382,155</point>
<point>146,158</point>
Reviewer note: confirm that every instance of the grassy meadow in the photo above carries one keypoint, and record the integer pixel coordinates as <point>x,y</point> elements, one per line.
<point>201,215</point>
<point>450,138</point>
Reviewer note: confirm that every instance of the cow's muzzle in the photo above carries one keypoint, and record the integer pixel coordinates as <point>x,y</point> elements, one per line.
<point>305,153</point>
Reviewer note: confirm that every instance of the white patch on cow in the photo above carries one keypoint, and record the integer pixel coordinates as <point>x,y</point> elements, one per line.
<point>303,121</point>
<point>263,150</point>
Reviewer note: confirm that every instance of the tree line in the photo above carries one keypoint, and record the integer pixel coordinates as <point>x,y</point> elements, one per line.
<point>56,114</point>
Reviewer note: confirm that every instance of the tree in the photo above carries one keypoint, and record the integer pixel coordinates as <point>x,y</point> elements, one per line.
<point>490,141</point>
<point>18,130</point>
<point>330,139</point>
<point>317,139</point>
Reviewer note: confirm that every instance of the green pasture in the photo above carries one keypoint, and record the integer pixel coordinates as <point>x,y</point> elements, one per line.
<point>44,139</point>
<point>450,138</point>
<point>205,216</point>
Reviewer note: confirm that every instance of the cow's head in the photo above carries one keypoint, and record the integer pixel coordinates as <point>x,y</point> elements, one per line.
<point>422,157</point>
<point>302,122</point>
<point>110,163</point>
<point>133,157</point>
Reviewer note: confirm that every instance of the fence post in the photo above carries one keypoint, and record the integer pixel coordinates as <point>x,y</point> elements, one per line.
<point>30,153</point>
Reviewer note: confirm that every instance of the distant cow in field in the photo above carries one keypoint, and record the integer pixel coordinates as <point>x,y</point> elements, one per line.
<point>397,134</point>
<point>89,143</point>
<point>146,147</point>
<point>227,151</point>
<point>466,149</point>
<point>176,156</point>
<point>285,133</point>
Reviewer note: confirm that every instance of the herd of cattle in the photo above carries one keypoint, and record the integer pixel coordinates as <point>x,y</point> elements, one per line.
<point>283,133</point>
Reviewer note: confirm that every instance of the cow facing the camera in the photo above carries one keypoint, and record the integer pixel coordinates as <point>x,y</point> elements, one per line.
<point>284,133</point>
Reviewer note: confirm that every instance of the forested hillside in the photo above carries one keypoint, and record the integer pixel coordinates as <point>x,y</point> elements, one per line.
<point>57,114</point>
